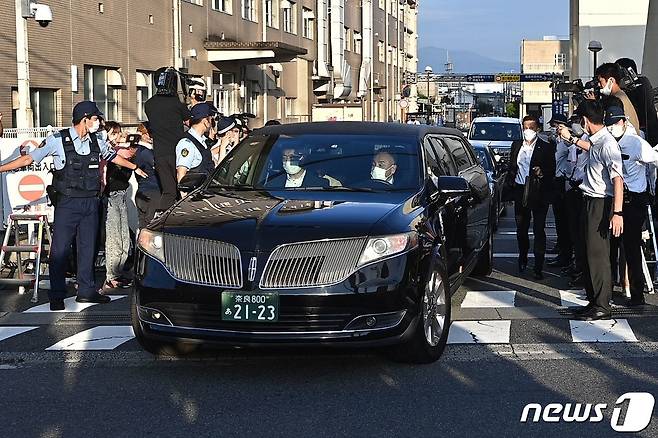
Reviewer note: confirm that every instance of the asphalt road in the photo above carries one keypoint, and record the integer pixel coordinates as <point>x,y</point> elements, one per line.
<point>512,345</point>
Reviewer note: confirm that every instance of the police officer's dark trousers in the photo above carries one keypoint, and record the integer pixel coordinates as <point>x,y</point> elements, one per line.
<point>560,207</point>
<point>75,218</point>
<point>635,213</point>
<point>595,223</point>
<point>573,210</point>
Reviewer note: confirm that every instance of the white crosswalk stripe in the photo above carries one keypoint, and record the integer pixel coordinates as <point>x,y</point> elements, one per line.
<point>489,299</point>
<point>9,332</point>
<point>107,337</point>
<point>70,306</point>
<point>480,332</point>
<point>613,330</point>
<point>572,298</point>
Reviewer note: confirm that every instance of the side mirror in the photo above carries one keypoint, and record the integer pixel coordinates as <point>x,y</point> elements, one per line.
<point>191,181</point>
<point>453,186</point>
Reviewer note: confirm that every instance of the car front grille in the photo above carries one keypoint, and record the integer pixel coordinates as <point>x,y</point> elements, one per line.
<point>204,262</point>
<point>312,264</point>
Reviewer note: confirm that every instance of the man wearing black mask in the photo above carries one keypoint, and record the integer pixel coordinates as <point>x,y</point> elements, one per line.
<point>167,114</point>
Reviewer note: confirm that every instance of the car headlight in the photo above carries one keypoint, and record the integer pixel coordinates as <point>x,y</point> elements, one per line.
<point>152,243</point>
<point>386,246</point>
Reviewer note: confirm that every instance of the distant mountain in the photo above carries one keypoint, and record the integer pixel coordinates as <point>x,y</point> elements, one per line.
<point>463,61</point>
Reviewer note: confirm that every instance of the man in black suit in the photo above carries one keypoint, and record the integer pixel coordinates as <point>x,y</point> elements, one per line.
<point>530,179</point>
<point>295,175</point>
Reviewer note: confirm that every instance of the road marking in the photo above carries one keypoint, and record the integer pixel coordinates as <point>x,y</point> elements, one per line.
<point>613,330</point>
<point>513,233</point>
<point>572,298</point>
<point>489,298</point>
<point>106,337</point>
<point>480,332</point>
<point>8,332</point>
<point>70,306</point>
<point>510,255</point>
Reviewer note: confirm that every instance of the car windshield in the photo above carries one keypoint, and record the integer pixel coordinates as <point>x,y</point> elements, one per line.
<point>484,159</point>
<point>493,131</point>
<point>321,162</point>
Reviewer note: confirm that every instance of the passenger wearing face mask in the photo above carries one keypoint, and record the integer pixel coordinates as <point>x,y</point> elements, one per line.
<point>76,152</point>
<point>602,215</point>
<point>294,173</point>
<point>192,152</point>
<point>609,76</point>
<point>531,176</point>
<point>636,154</point>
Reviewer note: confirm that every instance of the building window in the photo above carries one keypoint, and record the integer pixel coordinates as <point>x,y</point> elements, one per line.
<point>222,5</point>
<point>382,4</point>
<point>251,102</point>
<point>357,42</point>
<point>271,13</point>
<point>144,91</point>
<point>43,102</point>
<point>347,38</point>
<point>195,2</point>
<point>225,92</point>
<point>560,59</point>
<point>289,16</point>
<point>103,86</point>
<point>381,50</point>
<point>308,20</point>
<point>289,109</point>
<point>249,10</point>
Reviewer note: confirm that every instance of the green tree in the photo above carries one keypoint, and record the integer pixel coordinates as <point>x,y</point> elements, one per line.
<point>512,109</point>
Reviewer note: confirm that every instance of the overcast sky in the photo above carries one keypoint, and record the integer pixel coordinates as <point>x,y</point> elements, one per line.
<point>492,28</point>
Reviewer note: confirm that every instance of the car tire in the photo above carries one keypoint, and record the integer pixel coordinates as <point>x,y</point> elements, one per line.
<point>484,265</point>
<point>433,322</point>
<point>157,348</point>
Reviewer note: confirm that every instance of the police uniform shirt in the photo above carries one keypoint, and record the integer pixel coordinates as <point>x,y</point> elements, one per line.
<point>187,154</point>
<point>54,147</point>
<point>561,159</point>
<point>603,165</point>
<point>523,161</point>
<point>639,154</point>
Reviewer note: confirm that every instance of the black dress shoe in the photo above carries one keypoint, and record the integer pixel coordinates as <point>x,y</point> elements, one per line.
<point>522,266</point>
<point>96,298</point>
<point>56,305</point>
<point>538,275</point>
<point>593,315</point>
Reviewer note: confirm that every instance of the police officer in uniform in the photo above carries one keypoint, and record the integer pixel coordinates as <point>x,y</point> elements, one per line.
<point>76,153</point>
<point>193,154</point>
<point>603,199</point>
<point>637,154</point>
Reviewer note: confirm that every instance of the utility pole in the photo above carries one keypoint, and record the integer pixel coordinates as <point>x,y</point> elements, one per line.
<point>24,118</point>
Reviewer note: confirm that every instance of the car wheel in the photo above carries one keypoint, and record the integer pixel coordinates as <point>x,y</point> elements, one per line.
<point>431,332</point>
<point>156,348</point>
<point>484,264</point>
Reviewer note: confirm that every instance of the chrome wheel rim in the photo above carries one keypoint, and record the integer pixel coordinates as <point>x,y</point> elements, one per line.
<point>434,310</point>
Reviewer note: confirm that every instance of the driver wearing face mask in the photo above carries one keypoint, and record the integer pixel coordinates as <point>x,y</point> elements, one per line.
<point>609,76</point>
<point>384,168</point>
<point>295,175</point>
<point>77,152</point>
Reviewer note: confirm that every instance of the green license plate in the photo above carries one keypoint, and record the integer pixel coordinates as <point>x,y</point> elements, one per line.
<point>248,307</point>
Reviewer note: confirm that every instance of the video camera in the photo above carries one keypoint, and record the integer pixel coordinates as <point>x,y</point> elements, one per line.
<point>577,88</point>
<point>629,79</point>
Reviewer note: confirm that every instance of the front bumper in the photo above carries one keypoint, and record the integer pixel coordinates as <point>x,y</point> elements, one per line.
<point>375,306</point>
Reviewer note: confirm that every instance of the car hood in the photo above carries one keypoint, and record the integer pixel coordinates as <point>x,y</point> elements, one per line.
<point>259,221</point>
<point>491,143</point>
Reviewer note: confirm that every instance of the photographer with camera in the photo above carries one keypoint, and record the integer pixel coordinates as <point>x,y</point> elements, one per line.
<point>167,114</point>
<point>196,91</point>
<point>636,154</point>
<point>642,96</point>
<point>603,193</point>
<point>610,77</point>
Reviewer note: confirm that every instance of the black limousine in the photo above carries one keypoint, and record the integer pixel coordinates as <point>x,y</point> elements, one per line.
<point>342,234</point>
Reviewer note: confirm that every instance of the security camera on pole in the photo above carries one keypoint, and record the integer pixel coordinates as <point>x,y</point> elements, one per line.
<point>43,15</point>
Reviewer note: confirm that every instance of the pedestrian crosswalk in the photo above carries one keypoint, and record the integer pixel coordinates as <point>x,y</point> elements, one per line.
<point>70,306</point>
<point>97,338</point>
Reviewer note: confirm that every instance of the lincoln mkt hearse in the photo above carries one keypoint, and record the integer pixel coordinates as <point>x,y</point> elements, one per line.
<point>332,234</point>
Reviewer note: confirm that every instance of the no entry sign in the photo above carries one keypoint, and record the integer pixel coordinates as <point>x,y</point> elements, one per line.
<point>31,187</point>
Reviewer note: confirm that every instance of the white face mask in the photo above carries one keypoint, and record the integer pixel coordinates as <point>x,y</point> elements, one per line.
<point>617,131</point>
<point>607,90</point>
<point>379,174</point>
<point>291,169</point>
<point>529,135</point>
<point>95,127</point>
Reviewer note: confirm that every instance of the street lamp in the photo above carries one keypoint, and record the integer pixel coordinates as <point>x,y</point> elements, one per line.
<point>43,15</point>
<point>428,72</point>
<point>595,47</point>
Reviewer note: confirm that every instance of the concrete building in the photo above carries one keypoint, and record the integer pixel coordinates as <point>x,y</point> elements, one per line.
<point>269,57</point>
<point>627,29</point>
<point>550,55</point>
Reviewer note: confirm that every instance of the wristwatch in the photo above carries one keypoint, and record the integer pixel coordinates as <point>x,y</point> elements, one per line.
<point>618,213</point>
<point>574,139</point>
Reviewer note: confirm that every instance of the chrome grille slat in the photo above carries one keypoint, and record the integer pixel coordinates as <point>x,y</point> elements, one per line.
<point>202,261</point>
<point>312,264</point>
